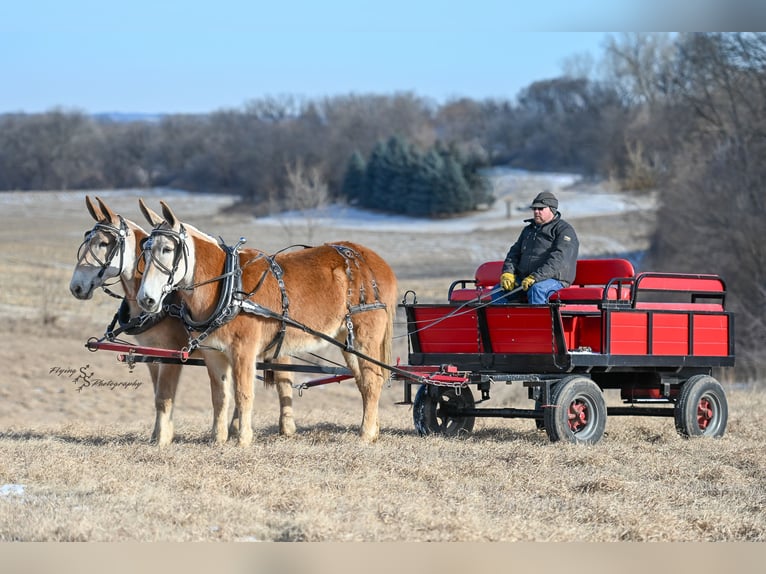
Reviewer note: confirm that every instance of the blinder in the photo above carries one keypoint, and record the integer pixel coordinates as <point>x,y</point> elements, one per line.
<point>119,235</point>
<point>181,250</point>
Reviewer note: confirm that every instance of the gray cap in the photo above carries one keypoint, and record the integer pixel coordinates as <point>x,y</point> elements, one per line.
<point>545,199</point>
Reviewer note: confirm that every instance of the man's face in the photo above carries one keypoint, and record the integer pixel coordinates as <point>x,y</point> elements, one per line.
<point>542,215</point>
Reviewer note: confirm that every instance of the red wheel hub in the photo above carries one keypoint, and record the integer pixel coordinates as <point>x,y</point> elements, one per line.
<point>704,413</point>
<point>578,415</point>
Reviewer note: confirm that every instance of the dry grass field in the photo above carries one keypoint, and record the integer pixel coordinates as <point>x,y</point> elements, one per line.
<point>76,463</point>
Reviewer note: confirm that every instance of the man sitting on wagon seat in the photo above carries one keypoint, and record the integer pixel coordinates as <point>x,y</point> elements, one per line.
<point>544,257</point>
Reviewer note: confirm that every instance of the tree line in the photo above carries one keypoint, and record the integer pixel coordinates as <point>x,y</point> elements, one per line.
<point>684,114</point>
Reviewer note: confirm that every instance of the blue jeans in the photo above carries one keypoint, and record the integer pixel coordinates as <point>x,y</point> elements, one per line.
<point>536,295</point>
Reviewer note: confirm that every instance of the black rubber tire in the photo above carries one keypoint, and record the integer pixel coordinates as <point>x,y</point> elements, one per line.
<point>701,408</point>
<point>577,412</point>
<point>430,406</point>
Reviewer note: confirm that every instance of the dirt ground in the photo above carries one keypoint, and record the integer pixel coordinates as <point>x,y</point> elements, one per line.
<point>76,463</point>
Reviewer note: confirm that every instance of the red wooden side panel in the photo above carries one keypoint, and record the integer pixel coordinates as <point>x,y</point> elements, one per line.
<point>670,334</point>
<point>711,335</point>
<point>456,334</point>
<point>668,282</point>
<point>628,333</point>
<point>520,330</point>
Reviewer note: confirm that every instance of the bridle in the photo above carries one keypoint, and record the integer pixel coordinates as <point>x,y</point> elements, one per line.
<point>118,234</point>
<point>181,250</point>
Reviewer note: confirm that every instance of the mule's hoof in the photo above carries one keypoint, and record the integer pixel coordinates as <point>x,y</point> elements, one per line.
<point>287,427</point>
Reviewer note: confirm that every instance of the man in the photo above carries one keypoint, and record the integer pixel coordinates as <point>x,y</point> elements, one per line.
<point>544,257</point>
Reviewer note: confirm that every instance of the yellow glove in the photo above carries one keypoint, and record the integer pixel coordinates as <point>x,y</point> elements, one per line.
<point>527,282</point>
<point>507,281</point>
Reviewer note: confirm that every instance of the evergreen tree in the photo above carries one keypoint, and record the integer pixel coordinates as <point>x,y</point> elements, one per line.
<point>453,194</point>
<point>394,184</point>
<point>375,182</point>
<point>421,199</point>
<point>399,178</point>
<point>355,181</point>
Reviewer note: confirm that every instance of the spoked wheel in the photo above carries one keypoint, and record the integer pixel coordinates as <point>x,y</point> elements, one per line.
<point>433,410</point>
<point>577,412</point>
<point>702,408</point>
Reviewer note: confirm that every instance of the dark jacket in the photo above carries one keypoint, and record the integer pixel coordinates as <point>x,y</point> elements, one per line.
<point>547,251</point>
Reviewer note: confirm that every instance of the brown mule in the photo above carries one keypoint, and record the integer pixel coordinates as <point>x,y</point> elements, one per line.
<point>111,251</point>
<point>344,291</point>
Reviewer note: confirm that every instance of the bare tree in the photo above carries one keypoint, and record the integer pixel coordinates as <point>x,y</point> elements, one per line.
<point>639,65</point>
<point>306,195</point>
<point>714,199</point>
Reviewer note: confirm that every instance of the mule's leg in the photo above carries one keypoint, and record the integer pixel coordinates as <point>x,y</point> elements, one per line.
<point>243,373</point>
<point>369,381</point>
<point>219,372</point>
<point>285,392</point>
<point>283,380</point>
<point>154,372</point>
<point>234,424</point>
<point>164,398</point>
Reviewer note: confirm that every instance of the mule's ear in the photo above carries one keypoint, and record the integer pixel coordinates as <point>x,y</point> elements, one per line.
<point>108,213</point>
<point>153,219</point>
<point>170,217</point>
<point>93,209</point>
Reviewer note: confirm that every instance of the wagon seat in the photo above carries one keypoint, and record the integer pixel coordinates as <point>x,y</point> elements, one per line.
<point>591,278</point>
<point>486,277</point>
<point>597,280</point>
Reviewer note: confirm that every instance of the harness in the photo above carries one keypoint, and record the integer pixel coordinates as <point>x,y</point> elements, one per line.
<point>350,257</point>
<point>133,325</point>
<point>227,307</point>
<point>232,299</point>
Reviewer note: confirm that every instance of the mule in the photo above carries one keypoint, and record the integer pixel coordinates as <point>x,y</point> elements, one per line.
<point>111,251</point>
<point>343,291</point>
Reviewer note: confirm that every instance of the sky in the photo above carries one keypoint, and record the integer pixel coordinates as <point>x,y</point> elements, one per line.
<point>168,56</point>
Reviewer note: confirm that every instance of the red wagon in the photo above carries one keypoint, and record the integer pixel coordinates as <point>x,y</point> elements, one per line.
<point>654,336</point>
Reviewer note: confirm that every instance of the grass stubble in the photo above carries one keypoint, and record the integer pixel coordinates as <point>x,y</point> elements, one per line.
<point>78,465</point>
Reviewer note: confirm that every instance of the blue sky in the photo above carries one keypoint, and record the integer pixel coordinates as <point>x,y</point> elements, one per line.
<point>187,57</point>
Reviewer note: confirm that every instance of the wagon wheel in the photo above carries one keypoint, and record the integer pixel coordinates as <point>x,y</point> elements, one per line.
<point>431,410</point>
<point>577,412</point>
<point>702,408</point>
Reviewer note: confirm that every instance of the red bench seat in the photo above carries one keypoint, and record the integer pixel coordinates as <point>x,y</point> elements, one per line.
<point>486,277</point>
<point>591,277</point>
